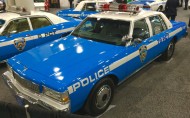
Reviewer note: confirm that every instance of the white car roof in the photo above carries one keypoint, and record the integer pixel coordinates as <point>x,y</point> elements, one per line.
<point>9,15</point>
<point>55,19</point>
<point>128,16</point>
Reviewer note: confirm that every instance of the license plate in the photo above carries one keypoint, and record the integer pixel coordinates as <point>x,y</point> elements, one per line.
<point>20,100</point>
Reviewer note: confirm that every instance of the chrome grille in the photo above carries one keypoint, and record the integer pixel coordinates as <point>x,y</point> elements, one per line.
<point>26,84</point>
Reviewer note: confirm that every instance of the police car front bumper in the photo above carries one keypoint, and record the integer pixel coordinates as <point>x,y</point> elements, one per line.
<point>32,98</point>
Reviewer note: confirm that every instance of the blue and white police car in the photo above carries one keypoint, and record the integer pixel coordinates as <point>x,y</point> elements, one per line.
<point>19,32</point>
<point>155,5</point>
<point>82,69</point>
<point>83,9</point>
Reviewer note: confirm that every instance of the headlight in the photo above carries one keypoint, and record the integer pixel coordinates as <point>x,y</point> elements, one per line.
<point>61,97</point>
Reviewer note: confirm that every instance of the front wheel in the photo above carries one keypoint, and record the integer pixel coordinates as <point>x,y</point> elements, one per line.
<point>167,55</point>
<point>100,97</point>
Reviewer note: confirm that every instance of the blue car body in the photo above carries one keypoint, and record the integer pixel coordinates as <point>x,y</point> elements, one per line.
<point>153,4</point>
<point>75,14</point>
<point>77,64</point>
<point>83,9</point>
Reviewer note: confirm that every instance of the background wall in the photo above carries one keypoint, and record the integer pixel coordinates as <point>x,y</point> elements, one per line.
<point>27,4</point>
<point>65,3</point>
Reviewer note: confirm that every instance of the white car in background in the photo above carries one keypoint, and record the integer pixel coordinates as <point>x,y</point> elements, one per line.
<point>155,5</point>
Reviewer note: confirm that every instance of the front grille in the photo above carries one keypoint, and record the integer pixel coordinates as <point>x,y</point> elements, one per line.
<point>26,84</point>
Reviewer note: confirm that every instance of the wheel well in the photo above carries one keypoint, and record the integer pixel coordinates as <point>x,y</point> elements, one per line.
<point>114,79</point>
<point>115,82</point>
<point>175,39</point>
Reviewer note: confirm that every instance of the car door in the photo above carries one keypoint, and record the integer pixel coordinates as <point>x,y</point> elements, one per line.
<point>44,31</point>
<point>141,40</point>
<point>18,38</point>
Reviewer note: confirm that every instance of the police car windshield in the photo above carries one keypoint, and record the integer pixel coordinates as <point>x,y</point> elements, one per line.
<point>103,30</point>
<point>2,22</point>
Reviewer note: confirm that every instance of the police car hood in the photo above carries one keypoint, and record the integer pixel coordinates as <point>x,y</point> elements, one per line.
<point>67,57</point>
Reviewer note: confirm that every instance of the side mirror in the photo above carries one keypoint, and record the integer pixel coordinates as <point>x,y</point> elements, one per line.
<point>125,39</point>
<point>136,41</point>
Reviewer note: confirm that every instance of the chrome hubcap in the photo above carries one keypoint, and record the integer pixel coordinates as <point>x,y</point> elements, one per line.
<point>170,49</point>
<point>103,96</point>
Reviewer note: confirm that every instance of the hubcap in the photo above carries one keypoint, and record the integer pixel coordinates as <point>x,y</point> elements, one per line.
<point>103,96</point>
<point>170,49</point>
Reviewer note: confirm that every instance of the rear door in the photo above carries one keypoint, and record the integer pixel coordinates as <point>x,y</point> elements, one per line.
<point>159,35</point>
<point>44,30</point>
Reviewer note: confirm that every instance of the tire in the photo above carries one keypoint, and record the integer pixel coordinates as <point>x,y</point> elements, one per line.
<point>100,97</point>
<point>167,55</point>
<point>159,8</point>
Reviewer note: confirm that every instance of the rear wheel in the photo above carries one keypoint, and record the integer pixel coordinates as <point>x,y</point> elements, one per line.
<point>167,55</point>
<point>100,97</point>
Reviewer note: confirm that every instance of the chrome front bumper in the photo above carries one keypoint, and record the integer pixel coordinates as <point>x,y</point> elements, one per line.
<point>32,97</point>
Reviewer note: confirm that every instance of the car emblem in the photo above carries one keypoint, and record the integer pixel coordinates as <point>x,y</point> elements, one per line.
<point>143,52</point>
<point>20,43</point>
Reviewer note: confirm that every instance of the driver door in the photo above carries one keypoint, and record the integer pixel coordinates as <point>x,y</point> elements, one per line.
<point>141,40</point>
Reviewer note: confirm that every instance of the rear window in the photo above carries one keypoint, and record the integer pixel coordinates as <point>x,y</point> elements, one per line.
<point>2,22</point>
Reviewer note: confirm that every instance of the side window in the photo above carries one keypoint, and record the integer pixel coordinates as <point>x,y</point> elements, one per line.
<point>157,25</point>
<point>39,22</point>
<point>89,7</point>
<point>141,30</point>
<point>87,26</point>
<point>163,23</point>
<point>16,26</point>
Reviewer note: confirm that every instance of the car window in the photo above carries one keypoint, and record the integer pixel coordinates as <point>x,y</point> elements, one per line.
<point>163,23</point>
<point>157,25</point>
<point>89,7</point>
<point>39,22</point>
<point>103,30</point>
<point>16,26</point>
<point>141,30</point>
<point>2,22</point>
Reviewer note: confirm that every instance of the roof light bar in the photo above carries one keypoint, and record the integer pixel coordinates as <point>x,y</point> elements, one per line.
<point>121,8</point>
